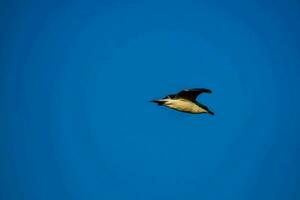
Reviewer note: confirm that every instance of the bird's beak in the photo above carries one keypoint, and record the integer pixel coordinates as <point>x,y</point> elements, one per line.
<point>155,101</point>
<point>159,102</point>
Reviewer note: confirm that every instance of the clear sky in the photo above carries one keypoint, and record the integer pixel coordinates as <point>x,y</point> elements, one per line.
<point>76,78</point>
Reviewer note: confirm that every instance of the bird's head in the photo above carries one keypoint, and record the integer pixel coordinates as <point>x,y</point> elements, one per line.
<point>162,101</point>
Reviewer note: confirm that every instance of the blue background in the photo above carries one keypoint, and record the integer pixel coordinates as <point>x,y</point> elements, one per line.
<point>76,78</point>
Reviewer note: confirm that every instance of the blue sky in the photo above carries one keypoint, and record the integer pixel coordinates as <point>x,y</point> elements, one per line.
<point>76,78</point>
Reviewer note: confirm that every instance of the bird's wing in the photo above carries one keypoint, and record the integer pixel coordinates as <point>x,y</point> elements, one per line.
<point>192,94</point>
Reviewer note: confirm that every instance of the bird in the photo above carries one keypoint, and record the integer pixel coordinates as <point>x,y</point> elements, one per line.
<point>185,101</point>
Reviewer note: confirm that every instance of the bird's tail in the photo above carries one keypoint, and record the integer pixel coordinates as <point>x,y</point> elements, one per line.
<point>210,112</point>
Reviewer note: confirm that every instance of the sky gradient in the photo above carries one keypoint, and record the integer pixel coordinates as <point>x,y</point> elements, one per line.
<point>76,78</point>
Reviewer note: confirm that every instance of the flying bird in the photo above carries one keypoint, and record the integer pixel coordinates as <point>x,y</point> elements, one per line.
<point>185,101</point>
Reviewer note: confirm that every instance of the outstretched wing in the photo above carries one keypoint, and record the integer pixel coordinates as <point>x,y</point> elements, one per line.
<point>192,94</point>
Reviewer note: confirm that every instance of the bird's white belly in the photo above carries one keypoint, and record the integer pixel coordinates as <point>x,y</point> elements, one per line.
<point>184,106</point>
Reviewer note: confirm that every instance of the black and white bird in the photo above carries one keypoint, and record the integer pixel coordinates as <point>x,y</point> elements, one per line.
<point>185,101</point>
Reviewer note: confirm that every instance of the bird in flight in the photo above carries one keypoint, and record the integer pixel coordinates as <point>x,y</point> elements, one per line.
<point>185,101</point>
